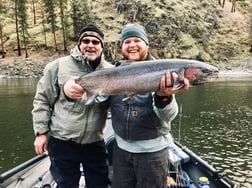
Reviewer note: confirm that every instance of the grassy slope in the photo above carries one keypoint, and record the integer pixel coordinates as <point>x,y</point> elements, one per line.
<point>229,40</point>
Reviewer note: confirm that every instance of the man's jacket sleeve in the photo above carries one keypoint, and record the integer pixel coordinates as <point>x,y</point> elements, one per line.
<point>46,95</point>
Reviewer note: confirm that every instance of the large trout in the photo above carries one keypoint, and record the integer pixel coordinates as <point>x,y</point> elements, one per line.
<point>142,76</point>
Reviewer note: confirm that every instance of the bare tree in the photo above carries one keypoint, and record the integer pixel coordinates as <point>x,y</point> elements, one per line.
<point>22,17</point>
<point>17,27</point>
<point>223,3</point>
<point>2,13</point>
<point>250,28</point>
<point>64,22</point>
<point>34,12</point>
<point>1,39</point>
<point>44,26</point>
<point>233,5</point>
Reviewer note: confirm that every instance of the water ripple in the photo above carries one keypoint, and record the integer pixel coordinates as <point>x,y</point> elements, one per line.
<point>220,130</point>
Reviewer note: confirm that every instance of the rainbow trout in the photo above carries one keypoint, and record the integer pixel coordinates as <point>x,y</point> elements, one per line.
<point>143,76</point>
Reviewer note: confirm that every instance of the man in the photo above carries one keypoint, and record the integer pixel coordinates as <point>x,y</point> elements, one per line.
<point>142,123</point>
<point>74,130</point>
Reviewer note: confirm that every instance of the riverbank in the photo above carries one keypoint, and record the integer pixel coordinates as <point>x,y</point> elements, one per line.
<point>235,73</point>
<point>24,67</point>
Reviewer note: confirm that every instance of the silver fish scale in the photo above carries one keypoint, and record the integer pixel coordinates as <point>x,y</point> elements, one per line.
<point>141,76</point>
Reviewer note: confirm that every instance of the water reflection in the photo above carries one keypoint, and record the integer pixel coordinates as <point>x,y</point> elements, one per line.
<point>216,124</point>
<point>15,121</point>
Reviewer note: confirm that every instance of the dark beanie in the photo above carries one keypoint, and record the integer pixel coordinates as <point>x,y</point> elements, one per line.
<point>134,30</point>
<point>93,31</point>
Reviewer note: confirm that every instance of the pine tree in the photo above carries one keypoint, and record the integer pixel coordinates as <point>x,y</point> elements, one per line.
<point>80,16</point>
<point>50,10</point>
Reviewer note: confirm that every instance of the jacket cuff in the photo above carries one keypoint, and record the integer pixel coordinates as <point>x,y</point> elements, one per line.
<point>162,101</point>
<point>38,134</point>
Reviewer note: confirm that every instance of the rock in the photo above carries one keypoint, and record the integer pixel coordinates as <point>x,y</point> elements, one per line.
<point>23,68</point>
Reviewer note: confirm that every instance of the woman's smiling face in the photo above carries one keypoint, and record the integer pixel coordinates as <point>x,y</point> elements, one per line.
<point>134,48</point>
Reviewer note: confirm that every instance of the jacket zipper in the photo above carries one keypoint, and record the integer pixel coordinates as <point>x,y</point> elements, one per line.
<point>128,124</point>
<point>85,122</point>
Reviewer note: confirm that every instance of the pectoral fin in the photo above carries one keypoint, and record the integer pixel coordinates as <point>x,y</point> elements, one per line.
<point>178,85</point>
<point>179,82</point>
<point>90,97</point>
<point>128,97</point>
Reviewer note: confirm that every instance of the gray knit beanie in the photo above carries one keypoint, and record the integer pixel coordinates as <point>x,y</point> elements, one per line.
<point>134,30</point>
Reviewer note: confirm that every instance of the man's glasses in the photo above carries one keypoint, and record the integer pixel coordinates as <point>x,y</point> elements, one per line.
<point>94,42</point>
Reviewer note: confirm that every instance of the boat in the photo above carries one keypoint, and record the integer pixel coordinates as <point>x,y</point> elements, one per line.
<point>186,170</point>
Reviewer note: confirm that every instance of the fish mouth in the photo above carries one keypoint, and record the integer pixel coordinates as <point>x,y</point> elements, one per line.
<point>210,74</point>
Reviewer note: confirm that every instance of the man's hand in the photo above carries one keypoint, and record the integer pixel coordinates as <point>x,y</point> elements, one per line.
<point>167,82</point>
<point>73,90</point>
<point>40,144</point>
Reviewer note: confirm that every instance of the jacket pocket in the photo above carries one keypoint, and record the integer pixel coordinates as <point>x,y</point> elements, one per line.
<point>144,117</point>
<point>73,106</point>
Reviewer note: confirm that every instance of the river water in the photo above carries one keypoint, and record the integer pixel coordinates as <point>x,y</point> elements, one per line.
<point>215,122</point>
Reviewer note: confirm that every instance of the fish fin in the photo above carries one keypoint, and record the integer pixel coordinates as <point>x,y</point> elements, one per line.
<point>179,82</point>
<point>122,63</point>
<point>90,97</point>
<point>178,85</point>
<point>127,97</point>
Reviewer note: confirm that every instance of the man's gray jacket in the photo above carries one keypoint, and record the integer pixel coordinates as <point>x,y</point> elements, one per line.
<point>62,117</point>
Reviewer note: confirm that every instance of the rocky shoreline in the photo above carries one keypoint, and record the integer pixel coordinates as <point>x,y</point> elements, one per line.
<point>21,68</point>
<point>28,68</point>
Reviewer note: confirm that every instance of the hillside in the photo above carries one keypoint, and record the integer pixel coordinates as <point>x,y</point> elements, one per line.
<point>193,29</point>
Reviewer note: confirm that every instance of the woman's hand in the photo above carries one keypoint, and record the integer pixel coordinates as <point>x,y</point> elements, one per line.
<point>171,83</point>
